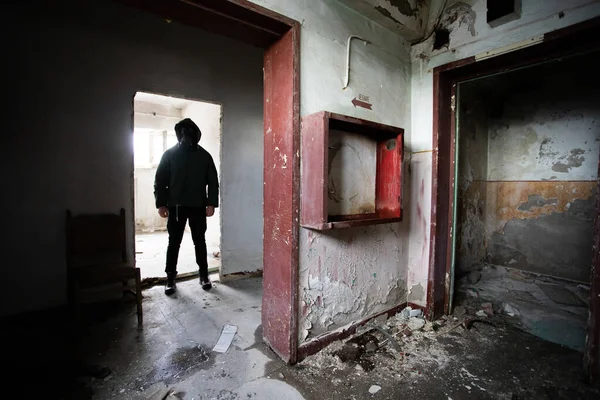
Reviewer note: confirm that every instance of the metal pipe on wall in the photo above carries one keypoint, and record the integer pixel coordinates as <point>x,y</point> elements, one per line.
<point>347,80</point>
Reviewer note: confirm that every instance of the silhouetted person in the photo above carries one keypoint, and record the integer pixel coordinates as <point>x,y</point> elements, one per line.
<point>185,172</point>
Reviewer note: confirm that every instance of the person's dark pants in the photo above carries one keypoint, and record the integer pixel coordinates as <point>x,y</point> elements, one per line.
<point>178,216</point>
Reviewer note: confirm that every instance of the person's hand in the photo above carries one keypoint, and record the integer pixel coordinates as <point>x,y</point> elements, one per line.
<point>210,211</point>
<point>163,212</point>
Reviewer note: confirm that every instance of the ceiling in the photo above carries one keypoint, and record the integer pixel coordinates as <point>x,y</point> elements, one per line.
<point>408,18</point>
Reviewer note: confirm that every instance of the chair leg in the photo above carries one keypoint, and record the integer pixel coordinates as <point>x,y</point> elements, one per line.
<point>138,293</point>
<point>74,301</point>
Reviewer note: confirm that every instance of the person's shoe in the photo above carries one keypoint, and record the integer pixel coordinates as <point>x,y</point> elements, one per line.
<point>206,284</point>
<point>170,286</point>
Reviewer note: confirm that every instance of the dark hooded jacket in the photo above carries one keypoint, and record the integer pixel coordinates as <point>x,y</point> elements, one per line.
<point>186,175</point>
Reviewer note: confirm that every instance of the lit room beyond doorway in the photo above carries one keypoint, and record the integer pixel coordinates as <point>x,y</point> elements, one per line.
<point>155,117</point>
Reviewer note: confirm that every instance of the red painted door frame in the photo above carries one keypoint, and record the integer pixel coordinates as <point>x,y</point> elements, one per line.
<point>565,42</point>
<point>281,195</point>
<point>280,36</point>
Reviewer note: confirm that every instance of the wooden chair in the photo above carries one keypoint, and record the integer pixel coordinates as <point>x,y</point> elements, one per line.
<point>97,257</point>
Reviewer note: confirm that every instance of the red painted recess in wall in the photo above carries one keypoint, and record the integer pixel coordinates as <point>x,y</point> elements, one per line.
<point>315,171</point>
<point>281,177</point>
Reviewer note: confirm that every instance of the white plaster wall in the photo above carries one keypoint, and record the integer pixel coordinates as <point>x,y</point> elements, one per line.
<point>537,18</point>
<point>73,81</point>
<point>547,131</point>
<point>380,70</point>
<point>208,118</point>
<point>146,215</point>
<point>353,273</point>
<point>159,117</point>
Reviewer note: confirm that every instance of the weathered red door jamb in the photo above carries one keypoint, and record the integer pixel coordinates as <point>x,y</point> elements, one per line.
<point>280,36</point>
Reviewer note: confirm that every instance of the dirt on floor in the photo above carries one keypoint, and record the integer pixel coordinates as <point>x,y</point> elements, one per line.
<point>552,309</point>
<point>479,352</point>
<point>463,356</point>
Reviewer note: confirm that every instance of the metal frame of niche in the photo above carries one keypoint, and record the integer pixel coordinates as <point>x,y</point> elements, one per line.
<point>388,142</point>
<point>280,37</point>
<point>573,40</point>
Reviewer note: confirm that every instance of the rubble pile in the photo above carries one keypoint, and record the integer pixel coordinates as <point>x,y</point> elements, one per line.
<point>403,345</point>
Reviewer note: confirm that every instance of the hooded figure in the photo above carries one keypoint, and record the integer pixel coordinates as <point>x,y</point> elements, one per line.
<point>186,187</point>
<point>188,134</point>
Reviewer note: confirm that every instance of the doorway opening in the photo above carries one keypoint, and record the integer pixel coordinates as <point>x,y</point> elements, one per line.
<point>525,194</point>
<point>560,44</point>
<point>155,117</point>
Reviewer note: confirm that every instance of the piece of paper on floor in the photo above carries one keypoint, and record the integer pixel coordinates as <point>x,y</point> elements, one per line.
<point>227,335</point>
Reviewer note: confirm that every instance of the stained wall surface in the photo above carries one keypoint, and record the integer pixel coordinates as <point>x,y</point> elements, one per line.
<point>535,208</point>
<point>469,35</point>
<point>353,273</point>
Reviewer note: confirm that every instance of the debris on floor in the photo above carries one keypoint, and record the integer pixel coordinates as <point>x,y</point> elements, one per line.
<point>474,277</point>
<point>227,335</point>
<point>446,358</point>
<point>459,356</point>
<point>157,391</point>
<point>396,345</point>
<point>550,308</point>
<point>510,310</point>
<point>561,294</point>
<point>374,389</point>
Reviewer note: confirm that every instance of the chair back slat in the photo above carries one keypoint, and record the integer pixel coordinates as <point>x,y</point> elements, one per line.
<point>99,237</point>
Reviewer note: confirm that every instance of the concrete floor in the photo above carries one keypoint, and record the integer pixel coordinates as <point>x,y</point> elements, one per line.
<point>552,309</point>
<point>174,347</point>
<point>151,251</point>
<point>46,355</point>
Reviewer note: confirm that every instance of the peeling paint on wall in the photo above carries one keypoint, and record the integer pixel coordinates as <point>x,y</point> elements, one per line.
<point>556,244</point>
<point>534,209</point>
<point>536,201</point>
<point>404,17</point>
<point>507,200</point>
<point>347,275</point>
<point>387,14</point>
<point>406,8</point>
<point>416,293</point>
<point>537,18</point>
<point>574,160</point>
<point>457,16</point>
<point>542,127</point>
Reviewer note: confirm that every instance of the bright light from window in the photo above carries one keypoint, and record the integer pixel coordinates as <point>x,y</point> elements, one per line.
<point>171,139</point>
<point>141,147</point>
<point>157,148</point>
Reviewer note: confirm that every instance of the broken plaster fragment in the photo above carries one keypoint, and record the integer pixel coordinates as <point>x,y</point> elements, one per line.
<point>510,310</point>
<point>414,324</point>
<point>370,347</point>
<point>481,313</point>
<point>374,389</point>
<point>459,310</point>
<point>428,326</point>
<point>405,314</point>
